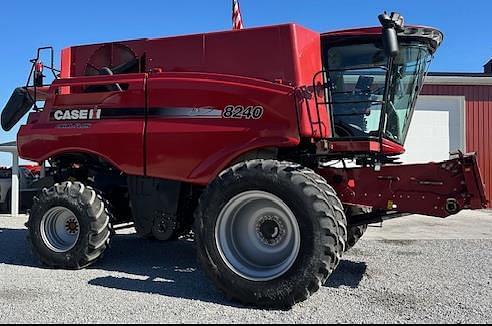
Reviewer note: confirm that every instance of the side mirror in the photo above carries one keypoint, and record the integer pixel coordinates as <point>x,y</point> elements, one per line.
<point>392,24</point>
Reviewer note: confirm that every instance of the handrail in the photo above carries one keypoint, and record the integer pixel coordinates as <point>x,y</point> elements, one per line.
<point>34,62</point>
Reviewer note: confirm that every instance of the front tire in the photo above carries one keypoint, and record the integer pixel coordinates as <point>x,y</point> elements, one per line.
<point>267,234</point>
<point>69,226</point>
<point>354,233</point>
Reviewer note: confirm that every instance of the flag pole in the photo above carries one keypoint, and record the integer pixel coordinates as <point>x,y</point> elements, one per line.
<point>237,19</point>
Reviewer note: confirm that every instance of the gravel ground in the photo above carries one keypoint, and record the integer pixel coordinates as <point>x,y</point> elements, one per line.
<point>143,281</point>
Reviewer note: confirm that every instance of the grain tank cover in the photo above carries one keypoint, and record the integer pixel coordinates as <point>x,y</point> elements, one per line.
<point>288,54</point>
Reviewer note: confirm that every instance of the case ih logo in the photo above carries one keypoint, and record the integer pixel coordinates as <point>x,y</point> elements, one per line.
<point>77,114</point>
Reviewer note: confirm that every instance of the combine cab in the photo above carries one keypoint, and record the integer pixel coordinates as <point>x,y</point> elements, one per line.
<point>243,137</point>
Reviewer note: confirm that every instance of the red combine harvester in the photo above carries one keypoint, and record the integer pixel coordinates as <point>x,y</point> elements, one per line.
<point>244,135</point>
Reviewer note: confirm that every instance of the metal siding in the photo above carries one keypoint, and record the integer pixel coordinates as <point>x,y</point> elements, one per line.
<point>478,102</point>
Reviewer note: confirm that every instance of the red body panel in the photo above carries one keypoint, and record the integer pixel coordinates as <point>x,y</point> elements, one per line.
<point>179,147</point>
<point>257,67</point>
<point>196,149</point>
<point>118,141</point>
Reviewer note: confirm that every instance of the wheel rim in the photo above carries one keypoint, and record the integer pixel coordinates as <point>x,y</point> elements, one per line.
<point>257,235</point>
<point>60,229</point>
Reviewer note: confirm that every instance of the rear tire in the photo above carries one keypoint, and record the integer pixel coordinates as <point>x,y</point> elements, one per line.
<point>282,207</point>
<point>69,226</point>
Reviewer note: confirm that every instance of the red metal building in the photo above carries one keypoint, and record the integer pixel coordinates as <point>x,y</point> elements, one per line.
<point>476,91</point>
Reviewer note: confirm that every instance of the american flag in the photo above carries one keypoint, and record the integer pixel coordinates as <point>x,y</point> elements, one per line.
<point>237,20</point>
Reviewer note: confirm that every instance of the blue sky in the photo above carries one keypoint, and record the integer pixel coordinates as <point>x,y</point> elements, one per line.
<point>27,25</point>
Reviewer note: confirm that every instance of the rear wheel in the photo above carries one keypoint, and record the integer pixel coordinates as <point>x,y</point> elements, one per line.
<point>257,235</point>
<point>267,233</point>
<point>69,226</point>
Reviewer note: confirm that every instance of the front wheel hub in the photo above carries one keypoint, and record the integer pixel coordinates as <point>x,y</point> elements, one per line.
<point>270,230</point>
<point>257,235</point>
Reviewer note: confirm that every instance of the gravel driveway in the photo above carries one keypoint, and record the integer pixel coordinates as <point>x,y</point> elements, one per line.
<point>382,279</point>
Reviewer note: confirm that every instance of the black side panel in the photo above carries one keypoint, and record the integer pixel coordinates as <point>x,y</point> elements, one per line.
<point>18,105</point>
<point>152,198</point>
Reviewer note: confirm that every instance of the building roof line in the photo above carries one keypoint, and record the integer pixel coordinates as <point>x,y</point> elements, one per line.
<point>458,79</point>
<point>459,74</point>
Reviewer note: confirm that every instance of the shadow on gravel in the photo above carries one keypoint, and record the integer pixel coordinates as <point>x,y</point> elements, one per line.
<point>165,268</point>
<point>348,273</point>
<point>14,249</point>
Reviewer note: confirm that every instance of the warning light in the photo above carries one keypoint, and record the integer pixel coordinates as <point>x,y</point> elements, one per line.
<point>38,74</point>
<point>39,66</point>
